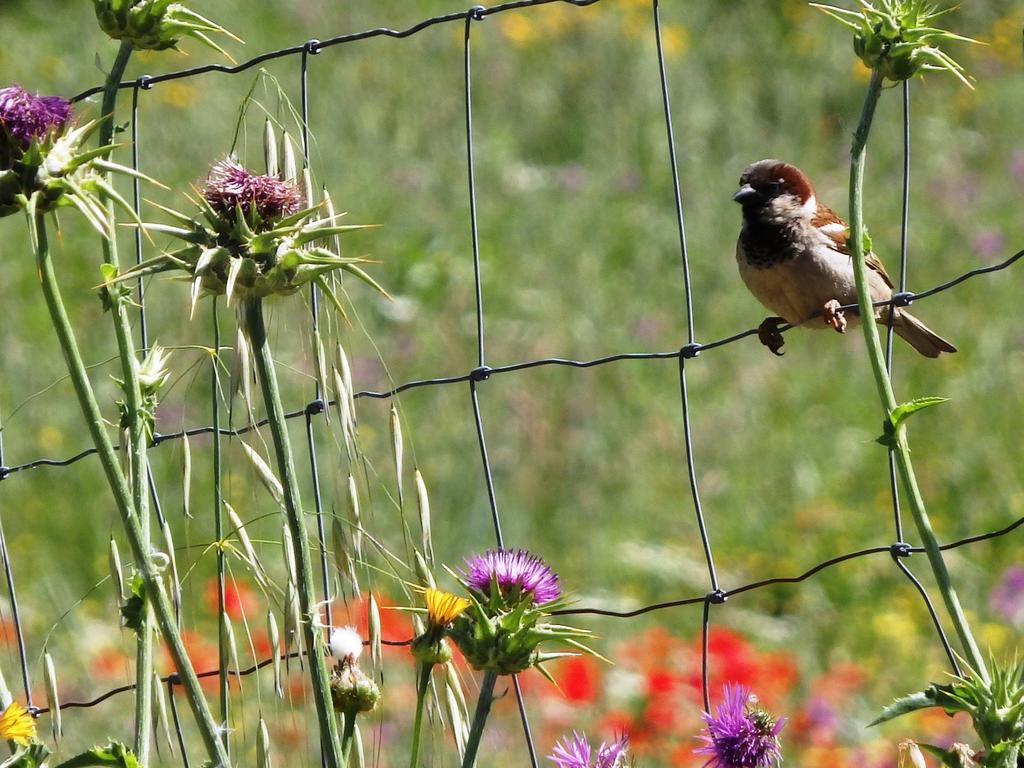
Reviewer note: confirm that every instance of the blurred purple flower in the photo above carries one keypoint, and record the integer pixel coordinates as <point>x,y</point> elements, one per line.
<point>989,243</point>
<point>574,752</point>
<point>1007,599</point>
<point>739,734</point>
<point>230,186</point>
<point>1017,165</point>
<point>513,569</point>
<point>26,116</point>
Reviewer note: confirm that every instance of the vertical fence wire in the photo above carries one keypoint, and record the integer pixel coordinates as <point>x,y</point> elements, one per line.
<point>481,373</point>
<point>900,550</point>
<point>690,351</point>
<point>317,405</point>
<point>15,613</point>
<point>218,522</point>
<point>177,724</point>
<point>142,83</point>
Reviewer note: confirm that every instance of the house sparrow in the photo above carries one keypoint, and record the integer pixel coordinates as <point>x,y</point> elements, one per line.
<point>792,256</point>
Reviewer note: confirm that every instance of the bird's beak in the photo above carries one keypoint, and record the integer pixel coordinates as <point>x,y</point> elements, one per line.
<point>746,195</point>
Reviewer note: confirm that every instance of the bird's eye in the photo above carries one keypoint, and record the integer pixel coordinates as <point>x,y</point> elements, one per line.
<point>773,187</point>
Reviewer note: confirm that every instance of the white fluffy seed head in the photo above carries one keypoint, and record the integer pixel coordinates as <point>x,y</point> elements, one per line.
<point>346,643</point>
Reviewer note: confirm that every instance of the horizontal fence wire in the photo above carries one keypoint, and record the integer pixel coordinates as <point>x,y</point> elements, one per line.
<point>898,551</point>
<point>689,350</point>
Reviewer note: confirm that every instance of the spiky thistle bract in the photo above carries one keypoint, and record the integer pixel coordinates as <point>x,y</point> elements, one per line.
<point>897,37</point>
<point>505,623</point>
<point>156,25</point>
<point>996,709</point>
<point>44,164</point>
<point>255,236</point>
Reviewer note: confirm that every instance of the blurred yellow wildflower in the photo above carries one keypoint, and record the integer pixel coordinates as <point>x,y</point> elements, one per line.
<point>861,71</point>
<point>636,24</point>
<point>675,39</point>
<point>177,94</point>
<point>443,607</point>
<point>1006,37</point>
<point>17,725</point>
<point>517,28</point>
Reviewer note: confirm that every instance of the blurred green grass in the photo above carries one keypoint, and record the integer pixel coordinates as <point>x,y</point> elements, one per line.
<point>580,259</point>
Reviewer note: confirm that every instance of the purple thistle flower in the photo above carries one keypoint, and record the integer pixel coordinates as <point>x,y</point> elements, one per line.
<point>574,752</point>
<point>26,116</point>
<point>739,734</point>
<point>513,569</point>
<point>230,186</point>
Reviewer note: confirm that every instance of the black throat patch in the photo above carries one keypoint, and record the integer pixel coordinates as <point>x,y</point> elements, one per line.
<point>765,245</point>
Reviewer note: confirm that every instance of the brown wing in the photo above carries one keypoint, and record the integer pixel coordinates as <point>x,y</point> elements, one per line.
<point>836,230</point>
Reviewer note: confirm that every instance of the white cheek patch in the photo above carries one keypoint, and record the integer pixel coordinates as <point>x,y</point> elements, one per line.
<point>809,208</point>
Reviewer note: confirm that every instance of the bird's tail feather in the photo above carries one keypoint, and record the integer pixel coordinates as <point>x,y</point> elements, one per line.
<point>918,335</point>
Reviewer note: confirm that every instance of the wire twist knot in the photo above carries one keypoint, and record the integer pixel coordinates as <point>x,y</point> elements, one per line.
<point>476,13</point>
<point>902,298</point>
<point>900,549</point>
<point>312,47</point>
<point>483,373</point>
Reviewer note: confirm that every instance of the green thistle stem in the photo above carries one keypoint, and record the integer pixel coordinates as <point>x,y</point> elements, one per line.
<point>155,593</point>
<point>483,709</point>
<point>255,329</point>
<point>421,695</point>
<point>901,448</point>
<point>348,737</point>
<point>136,423</point>
<point>110,88</point>
<point>218,521</point>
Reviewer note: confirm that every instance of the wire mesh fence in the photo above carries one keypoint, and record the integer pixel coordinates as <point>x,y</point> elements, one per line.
<point>473,381</point>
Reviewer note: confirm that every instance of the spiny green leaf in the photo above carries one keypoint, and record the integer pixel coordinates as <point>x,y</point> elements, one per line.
<point>115,753</point>
<point>948,758</point>
<point>901,413</point>
<point>932,696</point>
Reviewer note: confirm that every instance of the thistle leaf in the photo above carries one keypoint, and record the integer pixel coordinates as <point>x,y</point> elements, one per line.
<point>932,696</point>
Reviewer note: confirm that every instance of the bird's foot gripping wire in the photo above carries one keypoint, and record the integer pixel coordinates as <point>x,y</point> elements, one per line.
<point>768,333</point>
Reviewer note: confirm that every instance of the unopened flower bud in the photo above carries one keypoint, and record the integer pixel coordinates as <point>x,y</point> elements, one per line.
<point>430,650</point>
<point>352,691</point>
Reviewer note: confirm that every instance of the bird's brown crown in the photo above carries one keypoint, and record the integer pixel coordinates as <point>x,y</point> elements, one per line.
<point>772,178</point>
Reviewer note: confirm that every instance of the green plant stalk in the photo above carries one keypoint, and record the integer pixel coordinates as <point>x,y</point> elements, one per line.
<point>483,709</point>
<point>348,737</point>
<point>218,518</point>
<point>256,330</point>
<point>136,426</point>
<point>155,593</point>
<point>901,448</point>
<point>421,695</point>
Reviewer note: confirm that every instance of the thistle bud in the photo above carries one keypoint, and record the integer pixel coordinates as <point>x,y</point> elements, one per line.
<point>155,25</point>
<point>352,691</point>
<point>427,650</point>
<point>898,39</point>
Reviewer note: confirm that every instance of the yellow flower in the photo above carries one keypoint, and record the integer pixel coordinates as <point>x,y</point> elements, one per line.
<point>17,725</point>
<point>517,28</point>
<point>443,607</point>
